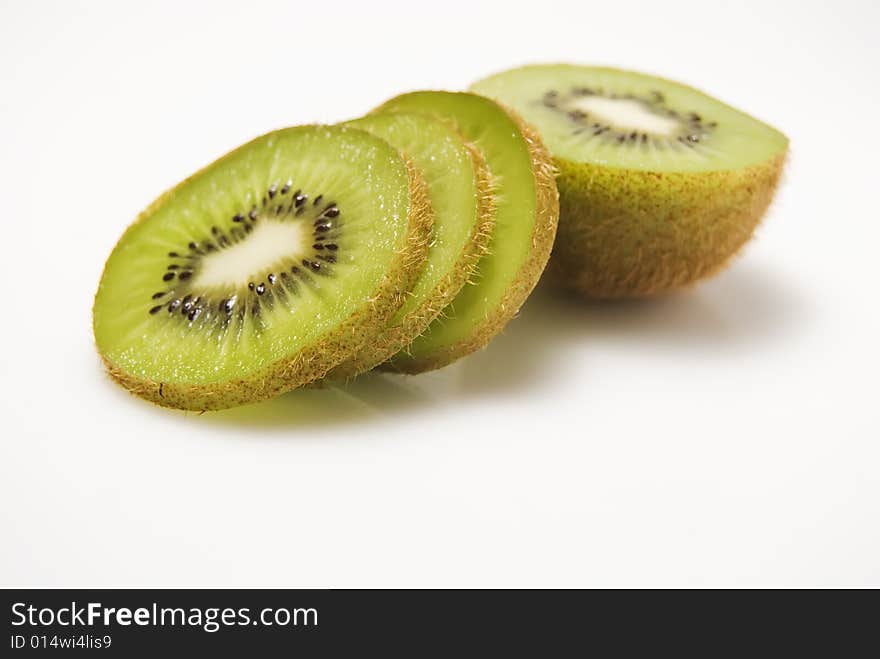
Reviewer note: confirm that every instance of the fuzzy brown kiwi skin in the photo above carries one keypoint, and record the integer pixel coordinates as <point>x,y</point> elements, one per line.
<point>397,338</point>
<point>546,220</point>
<point>313,361</point>
<point>627,233</point>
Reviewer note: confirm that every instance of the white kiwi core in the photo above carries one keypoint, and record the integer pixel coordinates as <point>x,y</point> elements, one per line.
<point>269,243</point>
<point>626,114</point>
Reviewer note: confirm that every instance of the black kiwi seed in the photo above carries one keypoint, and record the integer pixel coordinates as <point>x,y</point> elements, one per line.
<point>276,287</point>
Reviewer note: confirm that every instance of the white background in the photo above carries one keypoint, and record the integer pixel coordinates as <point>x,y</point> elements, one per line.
<point>725,436</point>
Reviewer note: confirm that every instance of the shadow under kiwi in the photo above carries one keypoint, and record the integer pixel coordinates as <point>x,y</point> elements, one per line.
<point>741,307</point>
<point>369,398</point>
<point>738,308</point>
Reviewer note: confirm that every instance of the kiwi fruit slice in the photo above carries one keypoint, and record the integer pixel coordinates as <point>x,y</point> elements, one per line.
<point>526,214</point>
<point>659,183</point>
<point>458,188</point>
<point>264,270</point>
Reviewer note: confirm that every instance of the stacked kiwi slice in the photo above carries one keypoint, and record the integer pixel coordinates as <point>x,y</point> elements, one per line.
<point>317,253</point>
<point>410,237</point>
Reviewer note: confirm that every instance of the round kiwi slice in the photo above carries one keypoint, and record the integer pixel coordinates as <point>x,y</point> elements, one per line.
<point>659,183</point>
<point>264,270</point>
<point>526,213</point>
<point>463,205</point>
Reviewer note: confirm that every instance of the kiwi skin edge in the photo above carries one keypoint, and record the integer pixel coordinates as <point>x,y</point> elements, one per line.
<point>313,361</point>
<point>397,338</point>
<point>546,220</point>
<point>627,233</point>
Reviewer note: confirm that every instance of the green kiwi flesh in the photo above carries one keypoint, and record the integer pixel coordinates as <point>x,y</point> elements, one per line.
<point>659,183</point>
<point>526,214</point>
<point>264,270</point>
<point>458,189</point>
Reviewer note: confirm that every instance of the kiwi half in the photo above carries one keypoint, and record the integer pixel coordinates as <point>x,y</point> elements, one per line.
<point>264,270</point>
<point>458,188</point>
<point>526,214</point>
<point>659,183</point>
